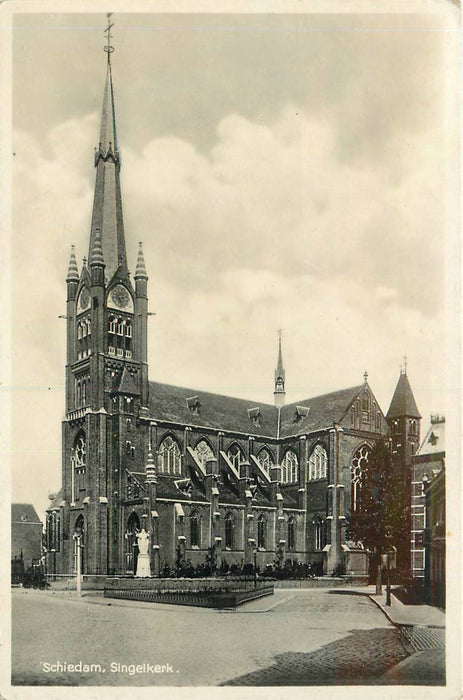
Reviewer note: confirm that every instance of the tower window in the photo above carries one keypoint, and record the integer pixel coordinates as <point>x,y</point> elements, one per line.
<point>359,464</point>
<point>112,324</point>
<point>128,329</point>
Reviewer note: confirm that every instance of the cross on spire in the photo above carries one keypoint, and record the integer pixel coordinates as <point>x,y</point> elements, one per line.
<point>108,48</point>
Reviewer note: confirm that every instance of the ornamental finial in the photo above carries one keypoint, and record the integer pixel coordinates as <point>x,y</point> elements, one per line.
<point>108,48</point>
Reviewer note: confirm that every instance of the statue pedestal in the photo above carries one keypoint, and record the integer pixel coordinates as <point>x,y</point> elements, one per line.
<point>143,566</point>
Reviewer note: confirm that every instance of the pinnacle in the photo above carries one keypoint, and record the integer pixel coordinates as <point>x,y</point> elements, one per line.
<point>73,272</point>
<point>140,271</point>
<point>96,254</point>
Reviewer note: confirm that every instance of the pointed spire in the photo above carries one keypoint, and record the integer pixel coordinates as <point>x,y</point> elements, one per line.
<point>140,271</point>
<point>107,202</point>
<point>279,392</point>
<point>403,402</point>
<point>73,272</point>
<point>96,254</point>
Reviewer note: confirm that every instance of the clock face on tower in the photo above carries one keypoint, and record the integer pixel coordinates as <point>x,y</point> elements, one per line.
<point>120,298</point>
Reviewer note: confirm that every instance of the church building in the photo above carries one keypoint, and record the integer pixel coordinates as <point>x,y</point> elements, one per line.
<point>204,474</point>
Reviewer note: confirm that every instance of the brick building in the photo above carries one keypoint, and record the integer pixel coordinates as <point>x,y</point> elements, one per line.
<point>427,463</point>
<point>201,472</point>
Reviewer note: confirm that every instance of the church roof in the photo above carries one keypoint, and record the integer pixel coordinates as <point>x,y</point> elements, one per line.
<point>24,513</point>
<point>169,403</point>
<point>323,411</point>
<point>403,402</point>
<point>174,404</point>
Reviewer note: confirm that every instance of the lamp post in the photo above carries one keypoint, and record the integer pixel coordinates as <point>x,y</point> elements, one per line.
<point>388,535</point>
<point>255,566</point>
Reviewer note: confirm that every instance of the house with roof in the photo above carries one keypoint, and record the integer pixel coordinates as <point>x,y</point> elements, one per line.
<point>201,472</point>
<point>26,535</point>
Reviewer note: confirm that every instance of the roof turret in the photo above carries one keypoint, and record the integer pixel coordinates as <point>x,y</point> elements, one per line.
<point>73,272</point>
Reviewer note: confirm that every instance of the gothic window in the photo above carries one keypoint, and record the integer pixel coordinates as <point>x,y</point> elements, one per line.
<point>195,529</point>
<point>128,329</point>
<point>84,392</point>
<point>235,455</point>
<point>169,457</point>
<point>319,534</point>
<point>265,460</point>
<point>120,326</point>
<point>378,420</point>
<point>365,407</point>
<point>261,531</point>
<point>413,425</point>
<point>396,426</point>
<point>79,330</point>
<point>112,324</point>
<point>229,530</point>
<point>358,467</point>
<point>204,452</point>
<point>352,415</point>
<point>78,394</point>
<point>289,468</point>
<point>291,533</point>
<point>318,463</point>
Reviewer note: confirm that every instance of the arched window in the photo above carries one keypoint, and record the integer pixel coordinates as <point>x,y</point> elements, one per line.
<point>396,426</point>
<point>261,531</point>
<point>195,529</point>
<point>204,452</point>
<point>378,420</point>
<point>413,425</point>
<point>120,326</point>
<point>79,330</point>
<point>112,324</point>
<point>78,394</point>
<point>365,407</point>
<point>359,463</point>
<point>169,457</point>
<point>289,468</point>
<point>128,329</point>
<point>265,460</point>
<point>318,463</point>
<point>292,533</point>
<point>229,531</point>
<point>319,533</point>
<point>84,392</point>
<point>235,455</point>
<point>89,326</point>
<point>131,547</point>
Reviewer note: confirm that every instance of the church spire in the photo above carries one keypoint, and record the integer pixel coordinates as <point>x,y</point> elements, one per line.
<point>73,272</point>
<point>279,392</point>
<point>140,270</point>
<point>107,202</point>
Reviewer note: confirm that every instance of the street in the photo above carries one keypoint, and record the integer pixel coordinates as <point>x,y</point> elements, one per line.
<point>296,637</point>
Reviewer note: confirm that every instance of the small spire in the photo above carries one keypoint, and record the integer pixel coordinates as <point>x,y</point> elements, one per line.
<point>365,376</point>
<point>96,255</point>
<point>279,391</point>
<point>84,261</point>
<point>140,271</point>
<point>150,469</point>
<point>73,272</point>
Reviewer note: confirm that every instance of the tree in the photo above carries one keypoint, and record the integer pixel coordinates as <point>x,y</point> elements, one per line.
<point>380,518</point>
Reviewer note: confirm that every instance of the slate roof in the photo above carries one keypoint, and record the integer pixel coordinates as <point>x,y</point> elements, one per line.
<point>434,440</point>
<point>323,411</point>
<point>403,402</point>
<point>24,512</point>
<point>168,403</point>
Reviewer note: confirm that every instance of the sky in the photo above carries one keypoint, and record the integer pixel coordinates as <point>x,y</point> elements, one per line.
<point>282,171</point>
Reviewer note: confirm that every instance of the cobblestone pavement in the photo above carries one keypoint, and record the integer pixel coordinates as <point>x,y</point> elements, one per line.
<point>360,658</point>
<point>294,637</point>
<point>421,638</point>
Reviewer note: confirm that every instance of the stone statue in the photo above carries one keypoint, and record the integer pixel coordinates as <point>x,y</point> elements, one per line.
<point>143,561</point>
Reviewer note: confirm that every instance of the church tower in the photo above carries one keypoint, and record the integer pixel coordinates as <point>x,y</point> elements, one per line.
<point>404,419</point>
<point>279,392</point>
<point>106,370</point>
